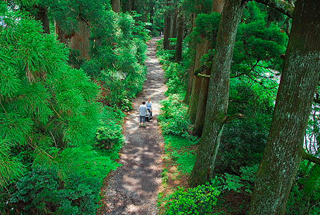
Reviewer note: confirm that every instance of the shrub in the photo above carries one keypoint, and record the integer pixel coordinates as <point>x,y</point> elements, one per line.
<point>174,119</point>
<point>198,200</point>
<point>109,132</point>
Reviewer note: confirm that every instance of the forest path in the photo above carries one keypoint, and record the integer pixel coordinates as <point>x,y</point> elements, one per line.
<point>133,188</point>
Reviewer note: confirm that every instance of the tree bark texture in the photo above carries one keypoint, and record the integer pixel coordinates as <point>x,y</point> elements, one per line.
<point>167,27</point>
<point>202,104</point>
<point>218,94</point>
<point>62,36</point>
<point>192,44</point>
<point>174,26</point>
<point>166,33</point>
<point>217,6</point>
<point>283,152</point>
<point>80,41</point>
<point>116,6</point>
<point>179,46</point>
<point>42,16</point>
<point>192,56</point>
<point>202,48</point>
<point>204,85</point>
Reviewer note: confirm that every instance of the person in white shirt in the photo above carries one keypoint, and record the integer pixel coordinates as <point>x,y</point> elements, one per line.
<point>149,107</point>
<point>143,113</point>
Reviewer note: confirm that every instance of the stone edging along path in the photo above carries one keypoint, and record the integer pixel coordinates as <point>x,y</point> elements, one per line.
<point>133,188</point>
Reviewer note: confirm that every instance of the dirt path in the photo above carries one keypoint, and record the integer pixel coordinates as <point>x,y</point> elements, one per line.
<point>133,188</point>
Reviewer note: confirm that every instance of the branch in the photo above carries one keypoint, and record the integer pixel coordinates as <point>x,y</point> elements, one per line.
<point>201,69</point>
<point>282,6</point>
<point>202,75</point>
<point>310,157</point>
<point>230,118</point>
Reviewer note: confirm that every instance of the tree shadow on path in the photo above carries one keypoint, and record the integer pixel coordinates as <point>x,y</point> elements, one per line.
<point>133,188</point>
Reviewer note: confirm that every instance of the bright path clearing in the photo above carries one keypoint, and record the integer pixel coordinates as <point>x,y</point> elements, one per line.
<point>133,188</point>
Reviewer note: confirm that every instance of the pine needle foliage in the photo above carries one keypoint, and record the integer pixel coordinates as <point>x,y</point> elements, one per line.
<point>48,122</point>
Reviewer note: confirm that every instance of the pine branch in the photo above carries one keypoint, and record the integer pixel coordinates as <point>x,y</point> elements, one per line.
<point>310,157</point>
<point>230,118</point>
<point>201,69</point>
<point>282,6</point>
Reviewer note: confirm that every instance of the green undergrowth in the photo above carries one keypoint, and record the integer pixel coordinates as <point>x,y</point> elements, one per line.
<point>61,127</point>
<point>180,146</point>
<point>174,120</point>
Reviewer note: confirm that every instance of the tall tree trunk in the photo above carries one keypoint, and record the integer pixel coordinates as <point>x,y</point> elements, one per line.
<point>283,152</point>
<point>166,33</point>
<point>174,26</point>
<point>217,6</point>
<point>179,46</point>
<point>218,95</point>
<point>62,36</point>
<point>80,41</point>
<point>202,48</point>
<point>167,27</point>
<point>116,6</point>
<point>198,117</point>
<point>151,17</point>
<point>192,56</point>
<point>42,15</point>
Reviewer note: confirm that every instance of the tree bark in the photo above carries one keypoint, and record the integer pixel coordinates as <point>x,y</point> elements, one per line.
<point>218,95</point>
<point>116,6</point>
<point>192,56</point>
<point>179,46</point>
<point>283,152</point>
<point>167,28</point>
<point>174,26</point>
<point>80,41</point>
<point>217,6</point>
<point>202,48</point>
<point>204,85</point>
<point>166,33</point>
<point>42,15</point>
<point>62,36</point>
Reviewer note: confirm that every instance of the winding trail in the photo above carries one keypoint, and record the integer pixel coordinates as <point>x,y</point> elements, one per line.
<point>133,188</point>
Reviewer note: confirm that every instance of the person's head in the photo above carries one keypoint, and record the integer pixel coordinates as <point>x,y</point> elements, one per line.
<point>143,103</point>
<point>149,99</point>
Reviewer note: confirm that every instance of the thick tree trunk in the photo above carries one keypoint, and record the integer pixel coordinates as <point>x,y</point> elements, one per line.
<point>202,48</point>
<point>167,27</point>
<point>179,46</point>
<point>166,33</point>
<point>151,13</point>
<point>283,152</point>
<point>174,26</point>
<point>116,6</point>
<point>42,15</point>
<point>217,6</point>
<point>204,85</point>
<point>80,41</point>
<point>191,69</point>
<point>202,104</point>
<point>218,95</point>
<point>62,36</point>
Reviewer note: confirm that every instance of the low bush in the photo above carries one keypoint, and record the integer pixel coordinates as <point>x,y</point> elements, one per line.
<point>68,184</point>
<point>198,200</point>
<point>174,119</point>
